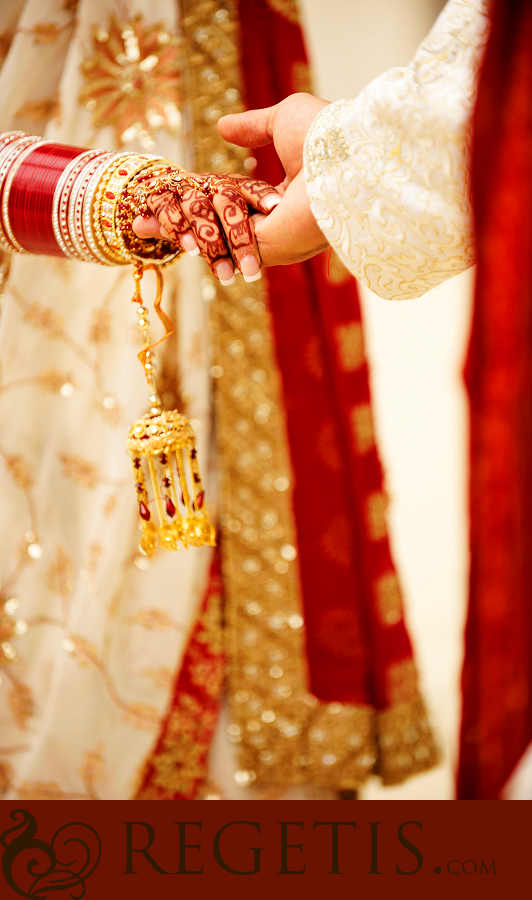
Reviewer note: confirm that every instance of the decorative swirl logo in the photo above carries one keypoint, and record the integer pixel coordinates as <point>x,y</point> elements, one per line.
<point>34,868</point>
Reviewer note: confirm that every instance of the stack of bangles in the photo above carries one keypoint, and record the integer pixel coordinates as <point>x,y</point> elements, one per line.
<point>80,204</point>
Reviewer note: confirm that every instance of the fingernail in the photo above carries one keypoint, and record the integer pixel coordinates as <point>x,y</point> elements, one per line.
<point>271,200</point>
<point>189,245</point>
<point>224,271</point>
<point>250,268</point>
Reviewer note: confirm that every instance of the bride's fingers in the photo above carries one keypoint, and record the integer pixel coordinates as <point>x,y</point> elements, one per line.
<point>232,209</point>
<point>174,225</point>
<point>147,227</point>
<point>258,194</point>
<point>200,217</point>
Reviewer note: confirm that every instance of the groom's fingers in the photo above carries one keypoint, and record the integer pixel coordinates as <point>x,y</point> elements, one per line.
<point>248,129</point>
<point>289,233</point>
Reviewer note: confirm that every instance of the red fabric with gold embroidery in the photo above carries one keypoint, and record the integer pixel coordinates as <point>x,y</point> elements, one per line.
<point>338,500</point>
<point>176,767</point>
<point>497,711</point>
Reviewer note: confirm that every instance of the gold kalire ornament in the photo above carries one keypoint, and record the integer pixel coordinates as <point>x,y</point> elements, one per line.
<point>162,447</point>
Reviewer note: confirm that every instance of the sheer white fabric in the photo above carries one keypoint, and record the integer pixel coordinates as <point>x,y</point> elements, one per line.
<point>80,711</point>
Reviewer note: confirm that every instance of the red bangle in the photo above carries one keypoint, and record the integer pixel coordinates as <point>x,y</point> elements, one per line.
<point>31,197</point>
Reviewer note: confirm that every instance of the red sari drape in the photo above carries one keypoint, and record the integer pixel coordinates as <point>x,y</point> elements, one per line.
<point>497,673</point>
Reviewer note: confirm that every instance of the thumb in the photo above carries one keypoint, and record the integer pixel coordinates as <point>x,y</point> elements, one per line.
<point>248,129</point>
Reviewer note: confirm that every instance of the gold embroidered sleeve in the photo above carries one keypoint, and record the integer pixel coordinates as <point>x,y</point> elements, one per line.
<point>387,172</point>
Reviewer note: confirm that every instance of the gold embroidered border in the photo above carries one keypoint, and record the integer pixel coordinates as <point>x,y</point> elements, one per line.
<point>284,734</point>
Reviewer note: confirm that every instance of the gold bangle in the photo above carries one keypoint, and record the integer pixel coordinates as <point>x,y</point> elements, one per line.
<point>144,249</point>
<point>106,202</point>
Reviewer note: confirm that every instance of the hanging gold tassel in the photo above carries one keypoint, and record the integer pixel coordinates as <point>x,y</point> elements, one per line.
<point>162,446</point>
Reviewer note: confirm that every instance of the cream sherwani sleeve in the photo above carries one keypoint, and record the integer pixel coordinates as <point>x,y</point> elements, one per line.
<point>387,172</point>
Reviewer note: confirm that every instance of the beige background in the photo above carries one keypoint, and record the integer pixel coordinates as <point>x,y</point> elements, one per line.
<point>416,350</point>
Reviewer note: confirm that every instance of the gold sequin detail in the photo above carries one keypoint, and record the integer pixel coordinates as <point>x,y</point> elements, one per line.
<point>402,682</point>
<point>375,513</point>
<point>406,743</point>
<point>39,110</point>
<point>350,343</point>
<point>388,599</point>
<point>362,428</point>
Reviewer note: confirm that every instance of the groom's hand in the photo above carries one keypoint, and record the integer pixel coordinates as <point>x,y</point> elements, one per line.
<point>289,233</point>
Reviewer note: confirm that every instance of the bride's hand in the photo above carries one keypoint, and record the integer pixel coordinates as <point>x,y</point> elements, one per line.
<point>218,226</point>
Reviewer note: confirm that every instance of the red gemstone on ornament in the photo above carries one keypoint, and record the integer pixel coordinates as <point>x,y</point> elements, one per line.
<point>110,195</point>
<point>122,172</point>
<point>182,500</point>
<point>193,453</point>
<point>144,511</point>
<point>196,478</point>
<point>136,462</point>
<point>163,458</point>
<point>140,488</point>
<point>106,223</point>
<point>166,482</point>
<point>199,500</point>
<point>170,508</point>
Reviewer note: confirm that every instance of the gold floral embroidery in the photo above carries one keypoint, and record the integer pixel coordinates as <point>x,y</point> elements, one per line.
<point>21,703</point>
<point>100,330</point>
<point>178,763</point>
<point>40,790</point>
<point>59,575</point>
<point>48,380</point>
<point>140,715</point>
<point>154,620</point>
<point>6,777</point>
<point>110,505</point>
<point>39,110</point>
<point>405,741</point>
<point>289,9</point>
<point>91,770</point>
<point>402,682</point>
<point>45,318</point>
<point>350,344</point>
<point>162,678</point>
<point>362,428</point>
<point>44,32</point>
<point>133,80</point>
<point>375,509</point>
<point>80,470</point>
<point>20,471</point>
<point>53,381</point>
<point>388,598</point>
